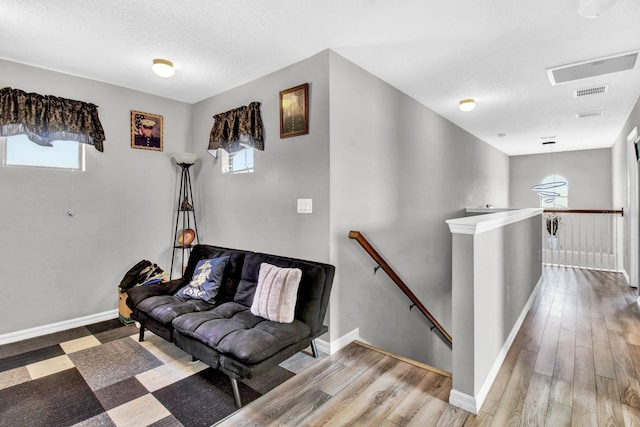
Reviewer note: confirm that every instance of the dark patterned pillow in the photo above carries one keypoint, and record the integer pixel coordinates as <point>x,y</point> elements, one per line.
<point>206,280</point>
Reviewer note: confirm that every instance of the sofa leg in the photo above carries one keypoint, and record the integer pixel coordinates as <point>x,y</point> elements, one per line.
<point>141,336</point>
<point>314,349</point>
<point>236,392</point>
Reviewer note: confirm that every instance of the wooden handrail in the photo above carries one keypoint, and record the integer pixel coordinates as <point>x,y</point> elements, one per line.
<point>586,211</point>
<point>358,237</point>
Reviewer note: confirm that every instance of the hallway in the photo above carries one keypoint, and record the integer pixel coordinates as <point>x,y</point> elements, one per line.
<point>575,361</point>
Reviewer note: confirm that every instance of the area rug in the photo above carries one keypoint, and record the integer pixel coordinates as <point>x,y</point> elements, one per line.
<point>100,375</point>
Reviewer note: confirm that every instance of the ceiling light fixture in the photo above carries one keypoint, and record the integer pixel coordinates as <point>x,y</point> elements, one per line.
<point>467,104</point>
<point>593,8</point>
<point>163,68</point>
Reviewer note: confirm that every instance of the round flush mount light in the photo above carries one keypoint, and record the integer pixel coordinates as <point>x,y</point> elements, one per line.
<point>163,68</point>
<point>467,104</point>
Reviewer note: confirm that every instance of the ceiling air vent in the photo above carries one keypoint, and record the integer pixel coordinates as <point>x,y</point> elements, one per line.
<point>586,114</point>
<point>591,91</point>
<point>592,68</point>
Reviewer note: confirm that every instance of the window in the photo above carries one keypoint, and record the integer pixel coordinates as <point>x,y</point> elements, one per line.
<point>237,162</point>
<point>553,191</point>
<point>20,151</point>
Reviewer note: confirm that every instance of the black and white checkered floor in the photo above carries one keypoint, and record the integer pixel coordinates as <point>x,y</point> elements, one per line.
<point>100,375</point>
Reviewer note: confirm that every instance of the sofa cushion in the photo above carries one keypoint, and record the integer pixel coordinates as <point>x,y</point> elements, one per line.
<point>139,293</point>
<point>206,280</point>
<point>231,275</point>
<point>310,303</point>
<point>276,293</point>
<point>165,308</point>
<point>233,330</point>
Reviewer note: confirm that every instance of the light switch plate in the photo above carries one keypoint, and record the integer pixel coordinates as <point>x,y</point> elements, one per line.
<point>305,206</point>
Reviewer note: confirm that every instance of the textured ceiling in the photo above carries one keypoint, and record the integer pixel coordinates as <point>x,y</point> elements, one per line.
<point>437,52</point>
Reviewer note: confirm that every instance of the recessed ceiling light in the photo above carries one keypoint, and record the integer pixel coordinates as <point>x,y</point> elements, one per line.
<point>163,68</point>
<point>467,104</point>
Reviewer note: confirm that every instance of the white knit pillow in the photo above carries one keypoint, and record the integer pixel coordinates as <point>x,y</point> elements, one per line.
<point>276,293</point>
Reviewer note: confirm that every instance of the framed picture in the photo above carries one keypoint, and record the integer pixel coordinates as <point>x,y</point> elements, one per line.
<point>294,111</point>
<point>146,131</point>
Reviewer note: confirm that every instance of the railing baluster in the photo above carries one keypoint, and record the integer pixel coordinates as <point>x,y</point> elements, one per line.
<point>584,240</point>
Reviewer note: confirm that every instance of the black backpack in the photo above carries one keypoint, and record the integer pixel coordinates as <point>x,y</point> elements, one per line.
<point>133,276</point>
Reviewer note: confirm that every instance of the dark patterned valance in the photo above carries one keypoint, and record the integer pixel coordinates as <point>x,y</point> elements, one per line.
<point>237,129</point>
<point>46,118</point>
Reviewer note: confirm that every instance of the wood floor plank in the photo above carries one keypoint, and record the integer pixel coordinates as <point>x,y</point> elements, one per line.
<point>412,400</point>
<point>569,313</point>
<point>562,392</point>
<point>534,408</point>
<point>452,416</point>
<point>558,415</point>
<point>634,352</point>
<point>494,396</point>
<point>565,356</point>
<point>603,359</point>
<point>548,347</point>
<point>351,391</point>
<point>557,305</point>
<point>428,415</point>
<point>510,407</point>
<point>584,337</point>
<point>482,419</point>
<point>536,330</point>
<point>609,405</point>
<point>584,412</point>
<point>626,376</point>
<point>377,400</point>
<point>630,322</point>
<point>631,416</point>
<point>611,309</point>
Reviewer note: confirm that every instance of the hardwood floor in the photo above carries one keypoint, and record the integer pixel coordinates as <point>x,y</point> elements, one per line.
<point>574,362</point>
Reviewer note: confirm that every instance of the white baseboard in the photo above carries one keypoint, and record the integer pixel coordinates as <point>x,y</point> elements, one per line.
<point>625,274</point>
<point>463,401</point>
<point>57,327</point>
<point>335,345</point>
<point>474,403</point>
<point>627,278</point>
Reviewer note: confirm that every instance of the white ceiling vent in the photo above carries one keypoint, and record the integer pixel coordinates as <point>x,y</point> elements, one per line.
<point>592,68</point>
<point>586,114</point>
<point>590,91</point>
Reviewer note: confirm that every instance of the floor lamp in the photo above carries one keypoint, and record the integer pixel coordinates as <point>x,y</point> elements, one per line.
<point>185,213</point>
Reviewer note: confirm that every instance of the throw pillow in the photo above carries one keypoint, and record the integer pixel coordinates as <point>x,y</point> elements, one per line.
<point>206,279</point>
<point>276,293</point>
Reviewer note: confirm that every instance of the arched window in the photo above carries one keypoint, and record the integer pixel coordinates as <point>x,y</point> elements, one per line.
<point>553,191</point>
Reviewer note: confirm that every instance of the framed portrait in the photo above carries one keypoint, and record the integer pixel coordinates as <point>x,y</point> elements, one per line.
<point>294,111</point>
<point>146,131</point>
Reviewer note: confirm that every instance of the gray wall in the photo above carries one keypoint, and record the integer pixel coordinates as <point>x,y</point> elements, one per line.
<point>56,267</point>
<point>398,171</point>
<point>257,211</point>
<point>588,173</point>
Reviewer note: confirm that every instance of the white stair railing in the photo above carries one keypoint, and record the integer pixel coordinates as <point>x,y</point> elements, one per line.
<point>590,239</point>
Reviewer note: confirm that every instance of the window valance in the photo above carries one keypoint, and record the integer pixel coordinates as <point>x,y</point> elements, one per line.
<point>46,118</point>
<point>237,129</point>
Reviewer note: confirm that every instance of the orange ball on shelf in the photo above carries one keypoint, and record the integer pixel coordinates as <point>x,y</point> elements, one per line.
<point>186,236</point>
